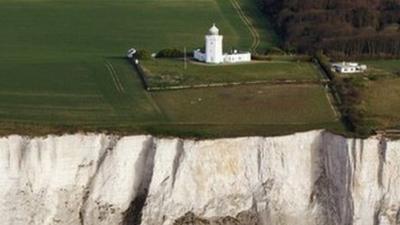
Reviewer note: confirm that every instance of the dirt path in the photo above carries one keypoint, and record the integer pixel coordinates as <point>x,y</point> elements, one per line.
<point>247,21</point>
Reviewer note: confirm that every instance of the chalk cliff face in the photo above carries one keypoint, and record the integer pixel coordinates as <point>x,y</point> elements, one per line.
<point>312,178</point>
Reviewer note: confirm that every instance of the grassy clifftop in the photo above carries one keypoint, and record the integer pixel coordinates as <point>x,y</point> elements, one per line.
<point>62,70</point>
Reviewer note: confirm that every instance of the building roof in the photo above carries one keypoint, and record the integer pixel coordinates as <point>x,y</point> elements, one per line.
<point>213,30</point>
<point>237,52</point>
<point>345,64</point>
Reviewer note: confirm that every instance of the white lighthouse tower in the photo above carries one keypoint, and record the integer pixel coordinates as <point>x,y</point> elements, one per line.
<point>214,53</point>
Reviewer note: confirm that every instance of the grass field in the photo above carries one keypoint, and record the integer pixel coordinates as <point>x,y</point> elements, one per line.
<point>247,104</point>
<point>382,69</point>
<point>381,97</point>
<point>61,70</point>
<point>78,94</point>
<point>62,28</point>
<point>389,66</point>
<point>246,110</point>
<point>382,103</point>
<point>171,72</point>
<point>111,97</point>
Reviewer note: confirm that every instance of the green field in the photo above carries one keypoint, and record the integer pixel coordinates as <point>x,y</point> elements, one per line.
<point>62,70</point>
<point>381,97</point>
<point>382,101</point>
<point>246,110</point>
<point>78,94</point>
<point>171,72</point>
<point>247,104</point>
<point>60,28</point>
<point>379,69</point>
<point>389,66</point>
<point>112,97</point>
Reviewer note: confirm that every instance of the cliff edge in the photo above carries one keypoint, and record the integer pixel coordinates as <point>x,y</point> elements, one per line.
<point>312,178</point>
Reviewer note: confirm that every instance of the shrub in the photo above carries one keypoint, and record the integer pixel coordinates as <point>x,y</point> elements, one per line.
<point>260,57</point>
<point>324,61</point>
<point>170,53</point>
<point>143,54</point>
<point>373,77</point>
<point>275,51</point>
<point>300,58</point>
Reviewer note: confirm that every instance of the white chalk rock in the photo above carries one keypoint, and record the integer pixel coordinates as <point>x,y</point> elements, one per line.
<point>123,176</point>
<point>43,180</point>
<point>311,178</point>
<point>273,177</point>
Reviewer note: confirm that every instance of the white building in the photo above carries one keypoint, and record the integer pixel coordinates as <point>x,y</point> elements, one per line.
<point>348,67</point>
<point>213,52</point>
<point>131,53</point>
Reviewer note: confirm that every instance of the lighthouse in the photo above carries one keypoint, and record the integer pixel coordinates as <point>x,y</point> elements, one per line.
<point>214,52</point>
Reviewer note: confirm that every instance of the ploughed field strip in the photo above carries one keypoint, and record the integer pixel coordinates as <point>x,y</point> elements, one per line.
<point>75,77</point>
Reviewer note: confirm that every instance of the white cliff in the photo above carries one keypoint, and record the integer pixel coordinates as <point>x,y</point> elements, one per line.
<point>306,178</point>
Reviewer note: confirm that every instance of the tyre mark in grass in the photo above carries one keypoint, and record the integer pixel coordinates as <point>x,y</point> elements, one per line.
<point>114,76</point>
<point>245,19</point>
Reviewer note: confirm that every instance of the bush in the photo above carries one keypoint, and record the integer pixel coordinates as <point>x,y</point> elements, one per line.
<point>373,77</point>
<point>143,54</point>
<point>170,53</point>
<point>296,58</point>
<point>260,57</point>
<point>324,61</point>
<point>275,51</point>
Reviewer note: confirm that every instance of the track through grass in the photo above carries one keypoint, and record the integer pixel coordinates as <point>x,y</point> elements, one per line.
<point>254,33</point>
<point>113,74</point>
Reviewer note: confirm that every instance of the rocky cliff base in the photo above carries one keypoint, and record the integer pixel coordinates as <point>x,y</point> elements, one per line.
<point>307,178</point>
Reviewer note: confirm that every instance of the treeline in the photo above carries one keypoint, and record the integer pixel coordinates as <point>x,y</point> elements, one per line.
<point>339,27</point>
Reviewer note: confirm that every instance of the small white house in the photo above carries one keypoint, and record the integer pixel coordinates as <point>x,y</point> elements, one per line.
<point>213,52</point>
<point>348,67</point>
